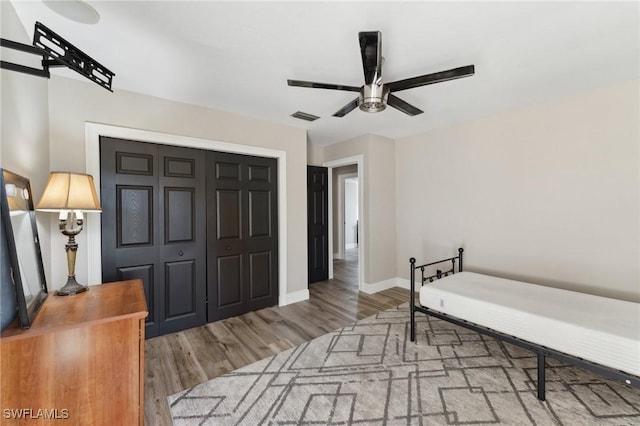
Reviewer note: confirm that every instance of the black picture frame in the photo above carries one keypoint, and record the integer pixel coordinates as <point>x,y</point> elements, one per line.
<point>26,269</point>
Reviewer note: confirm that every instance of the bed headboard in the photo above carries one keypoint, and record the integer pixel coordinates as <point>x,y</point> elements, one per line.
<point>439,273</point>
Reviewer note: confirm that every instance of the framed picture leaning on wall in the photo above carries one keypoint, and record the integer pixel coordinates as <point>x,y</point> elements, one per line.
<point>26,270</point>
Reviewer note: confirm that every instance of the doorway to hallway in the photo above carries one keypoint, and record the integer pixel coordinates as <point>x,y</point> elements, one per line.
<point>345,221</point>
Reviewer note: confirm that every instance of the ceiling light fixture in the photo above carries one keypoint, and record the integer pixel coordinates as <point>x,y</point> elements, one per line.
<point>75,10</point>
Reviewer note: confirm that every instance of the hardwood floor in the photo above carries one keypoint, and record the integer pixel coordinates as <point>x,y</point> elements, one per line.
<point>347,269</point>
<point>181,360</point>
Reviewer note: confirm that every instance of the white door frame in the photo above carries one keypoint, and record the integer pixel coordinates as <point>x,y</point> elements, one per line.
<point>341,213</point>
<point>347,161</point>
<point>93,233</point>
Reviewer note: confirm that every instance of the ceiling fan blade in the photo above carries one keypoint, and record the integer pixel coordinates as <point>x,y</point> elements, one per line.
<point>436,77</point>
<point>315,85</point>
<point>371,49</point>
<point>347,108</point>
<point>403,106</point>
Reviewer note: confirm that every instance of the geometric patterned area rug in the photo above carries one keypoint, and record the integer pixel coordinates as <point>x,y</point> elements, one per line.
<point>371,373</point>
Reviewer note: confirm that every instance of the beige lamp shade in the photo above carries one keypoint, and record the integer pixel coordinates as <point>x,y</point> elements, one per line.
<point>69,191</point>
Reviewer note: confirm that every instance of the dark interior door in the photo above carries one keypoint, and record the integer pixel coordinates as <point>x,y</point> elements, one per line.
<point>154,228</point>
<point>318,223</point>
<point>242,234</point>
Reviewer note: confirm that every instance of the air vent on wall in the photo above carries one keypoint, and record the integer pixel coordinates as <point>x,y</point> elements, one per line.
<point>304,116</point>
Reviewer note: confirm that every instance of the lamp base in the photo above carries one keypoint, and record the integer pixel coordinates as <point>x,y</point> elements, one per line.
<point>71,287</point>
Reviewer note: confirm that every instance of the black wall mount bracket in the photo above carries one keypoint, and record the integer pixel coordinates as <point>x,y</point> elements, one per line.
<point>57,52</point>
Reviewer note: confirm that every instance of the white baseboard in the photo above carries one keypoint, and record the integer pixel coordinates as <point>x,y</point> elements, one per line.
<point>403,283</point>
<point>295,297</point>
<point>383,285</point>
<point>301,295</point>
<point>379,286</point>
<point>351,245</point>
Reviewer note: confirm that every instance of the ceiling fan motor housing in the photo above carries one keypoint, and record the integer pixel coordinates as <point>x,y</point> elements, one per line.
<point>373,98</point>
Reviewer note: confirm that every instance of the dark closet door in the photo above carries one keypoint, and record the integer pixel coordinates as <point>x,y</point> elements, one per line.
<point>318,223</point>
<point>242,228</point>
<point>154,228</point>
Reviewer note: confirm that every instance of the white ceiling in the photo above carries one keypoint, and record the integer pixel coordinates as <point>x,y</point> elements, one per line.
<point>237,56</point>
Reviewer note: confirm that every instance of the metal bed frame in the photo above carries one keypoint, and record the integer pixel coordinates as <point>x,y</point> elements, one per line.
<point>541,351</point>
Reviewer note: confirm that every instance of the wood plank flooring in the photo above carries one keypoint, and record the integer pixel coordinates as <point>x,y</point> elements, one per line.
<point>181,360</point>
<point>347,269</point>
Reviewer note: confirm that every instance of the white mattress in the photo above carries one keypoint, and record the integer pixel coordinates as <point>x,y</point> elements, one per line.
<point>598,329</point>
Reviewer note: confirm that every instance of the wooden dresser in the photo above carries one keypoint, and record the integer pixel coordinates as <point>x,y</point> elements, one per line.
<point>80,363</point>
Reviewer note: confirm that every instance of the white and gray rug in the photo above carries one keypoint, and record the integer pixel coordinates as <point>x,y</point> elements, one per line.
<point>370,373</point>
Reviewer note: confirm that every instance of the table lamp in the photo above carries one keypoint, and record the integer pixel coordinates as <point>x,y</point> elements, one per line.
<point>70,194</point>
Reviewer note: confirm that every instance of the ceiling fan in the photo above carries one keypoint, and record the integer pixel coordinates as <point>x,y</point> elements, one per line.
<point>374,95</point>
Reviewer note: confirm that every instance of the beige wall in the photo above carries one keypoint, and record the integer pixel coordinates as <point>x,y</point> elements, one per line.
<point>24,144</point>
<point>72,103</point>
<point>315,154</point>
<point>381,179</point>
<point>379,189</point>
<point>547,193</point>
